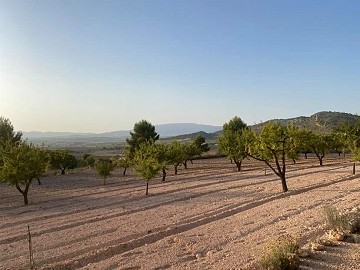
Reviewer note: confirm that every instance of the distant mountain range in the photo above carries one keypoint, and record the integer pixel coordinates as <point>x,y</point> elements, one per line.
<point>318,122</point>
<point>165,130</point>
<point>321,122</point>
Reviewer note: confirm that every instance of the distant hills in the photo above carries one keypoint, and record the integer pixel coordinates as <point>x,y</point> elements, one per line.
<point>320,122</point>
<point>165,130</point>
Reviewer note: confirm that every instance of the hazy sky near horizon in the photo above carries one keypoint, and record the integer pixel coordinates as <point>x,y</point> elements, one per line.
<point>96,66</point>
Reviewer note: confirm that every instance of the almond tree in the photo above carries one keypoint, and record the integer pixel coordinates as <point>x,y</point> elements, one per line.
<point>63,160</point>
<point>146,163</point>
<point>177,153</point>
<point>104,167</point>
<point>21,163</point>
<point>272,146</point>
<point>320,145</point>
<point>232,141</point>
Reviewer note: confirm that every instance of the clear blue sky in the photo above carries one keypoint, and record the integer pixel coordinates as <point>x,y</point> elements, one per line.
<point>94,66</point>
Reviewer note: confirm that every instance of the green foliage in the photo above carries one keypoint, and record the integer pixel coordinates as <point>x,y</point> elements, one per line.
<point>145,161</point>
<point>177,154</point>
<point>200,143</point>
<point>272,146</point>
<point>90,161</point>
<point>7,133</point>
<point>104,168</point>
<point>21,164</point>
<point>235,124</point>
<point>232,141</point>
<point>191,151</point>
<point>349,135</point>
<point>124,162</point>
<point>280,254</point>
<point>143,132</point>
<point>63,160</point>
<point>232,144</point>
<point>320,144</point>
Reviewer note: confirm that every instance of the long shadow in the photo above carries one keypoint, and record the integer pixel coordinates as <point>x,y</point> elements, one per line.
<point>116,247</point>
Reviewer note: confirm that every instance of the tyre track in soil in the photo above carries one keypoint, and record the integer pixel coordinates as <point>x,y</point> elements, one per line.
<point>127,212</point>
<point>105,205</point>
<point>116,247</point>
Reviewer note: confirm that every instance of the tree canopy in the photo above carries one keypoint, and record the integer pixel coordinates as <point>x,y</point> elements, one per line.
<point>143,131</point>
<point>272,146</point>
<point>21,164</point>
<point>63,160</point>
<point>232,141</point>
<point>7,132</point>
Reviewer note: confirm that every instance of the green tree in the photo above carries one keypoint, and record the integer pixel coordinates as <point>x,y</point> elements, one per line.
<point>191,151</point>
<point>177,154</point>
<point>145,162</point>
<point>124,162</point>
<point>90,161</point>
<point>349,135</point>
<point>272,146</point>
<point>235,124</point>
<point>200,143</point>
<point>143,131</point>
<point>320,144</point>
<point>21,164</point>
<point>63,160</point>
<point>232,141</point>
<point>7,132</point>
<point>104,167</point>
<point>163,157</point>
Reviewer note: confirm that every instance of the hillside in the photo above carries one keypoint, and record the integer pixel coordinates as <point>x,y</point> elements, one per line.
<point>318,122</point>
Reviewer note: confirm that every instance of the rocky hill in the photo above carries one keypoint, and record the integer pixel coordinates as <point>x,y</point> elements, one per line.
<point>318,122</point>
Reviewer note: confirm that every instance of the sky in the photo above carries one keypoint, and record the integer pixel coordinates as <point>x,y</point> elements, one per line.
<point>98,66</point>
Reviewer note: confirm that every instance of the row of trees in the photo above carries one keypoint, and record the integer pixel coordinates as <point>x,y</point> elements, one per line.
<point>275,144</point>
<point>22,162</point>
<point>150,157</point>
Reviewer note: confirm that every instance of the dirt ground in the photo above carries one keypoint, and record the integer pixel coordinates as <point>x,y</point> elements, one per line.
<point>207,217</point>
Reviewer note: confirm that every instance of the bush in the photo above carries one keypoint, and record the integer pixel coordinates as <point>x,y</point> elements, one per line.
<point>280,254</point>
<point>346,221</point>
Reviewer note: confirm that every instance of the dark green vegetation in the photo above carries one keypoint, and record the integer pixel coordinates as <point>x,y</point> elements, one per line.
<point>274,142</point>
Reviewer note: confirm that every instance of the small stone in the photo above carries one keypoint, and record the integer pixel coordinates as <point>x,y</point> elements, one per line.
<point>209,253</point>
<point>198,255</point>
<point>335,235</point>
<point>303,253</point>
<point>317,247</point>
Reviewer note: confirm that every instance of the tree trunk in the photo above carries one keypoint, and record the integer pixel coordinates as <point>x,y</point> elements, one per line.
<point>294,161</point>
<point>321,161</point>
<point>185,164</point>
<point>163,175</point>
<point>238,164</point>
<point>124,172</point>
<point>283,183</point>
<point>63,171</point>
<point>24,192</point>
<point>39,181</point>
<point>147,188</point>
<point>176,169</point>
<point>305,155</point>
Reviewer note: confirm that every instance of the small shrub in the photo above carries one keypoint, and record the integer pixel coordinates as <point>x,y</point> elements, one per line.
<point>104,168</point>
<point>347,221</point>
<point>280,254</point>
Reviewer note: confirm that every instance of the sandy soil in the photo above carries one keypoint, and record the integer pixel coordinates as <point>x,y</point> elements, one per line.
<point>207,217</point>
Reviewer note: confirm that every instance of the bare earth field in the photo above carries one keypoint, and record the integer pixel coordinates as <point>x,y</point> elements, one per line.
<point>207,217</point>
